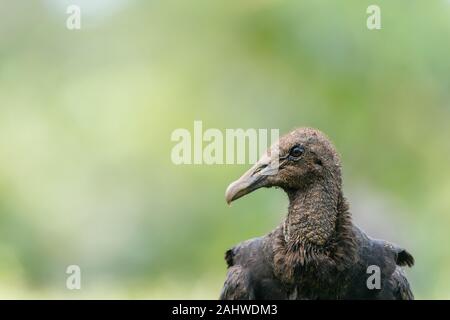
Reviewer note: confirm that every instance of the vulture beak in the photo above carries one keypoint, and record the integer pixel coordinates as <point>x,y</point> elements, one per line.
<point>254,178</point>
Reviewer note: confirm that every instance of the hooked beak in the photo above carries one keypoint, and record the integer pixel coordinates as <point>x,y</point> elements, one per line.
<point>256,177</point>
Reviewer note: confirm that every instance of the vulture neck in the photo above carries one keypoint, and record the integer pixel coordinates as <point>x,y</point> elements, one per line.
<point>313,214</point>
<point>318,231</point>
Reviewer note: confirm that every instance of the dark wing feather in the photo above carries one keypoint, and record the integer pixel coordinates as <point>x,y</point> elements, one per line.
<point>401,287</point>
<point>404,258</point>
<point>237,283</point>
<point>402,290</point>
<point>390,258</point>
<point>236,286</point>
<point>250,274</point>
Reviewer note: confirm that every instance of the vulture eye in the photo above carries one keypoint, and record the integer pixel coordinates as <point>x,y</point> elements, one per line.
<point>296,151</point>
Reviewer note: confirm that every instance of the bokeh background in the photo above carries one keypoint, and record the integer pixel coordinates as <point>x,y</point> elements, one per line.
<point>86,118</point>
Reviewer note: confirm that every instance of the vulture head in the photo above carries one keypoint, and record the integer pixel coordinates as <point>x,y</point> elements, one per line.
<point>305,157</point>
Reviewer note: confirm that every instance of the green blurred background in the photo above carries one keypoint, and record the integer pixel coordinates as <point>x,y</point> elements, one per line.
<point>86,118</point>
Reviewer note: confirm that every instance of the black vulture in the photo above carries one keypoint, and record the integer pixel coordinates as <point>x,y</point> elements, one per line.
<point>316,252</point>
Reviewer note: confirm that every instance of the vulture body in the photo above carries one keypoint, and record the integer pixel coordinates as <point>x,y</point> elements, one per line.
<point>316,252</point>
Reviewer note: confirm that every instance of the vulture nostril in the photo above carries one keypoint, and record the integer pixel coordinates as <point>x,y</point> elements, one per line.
<point>260,168</point>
